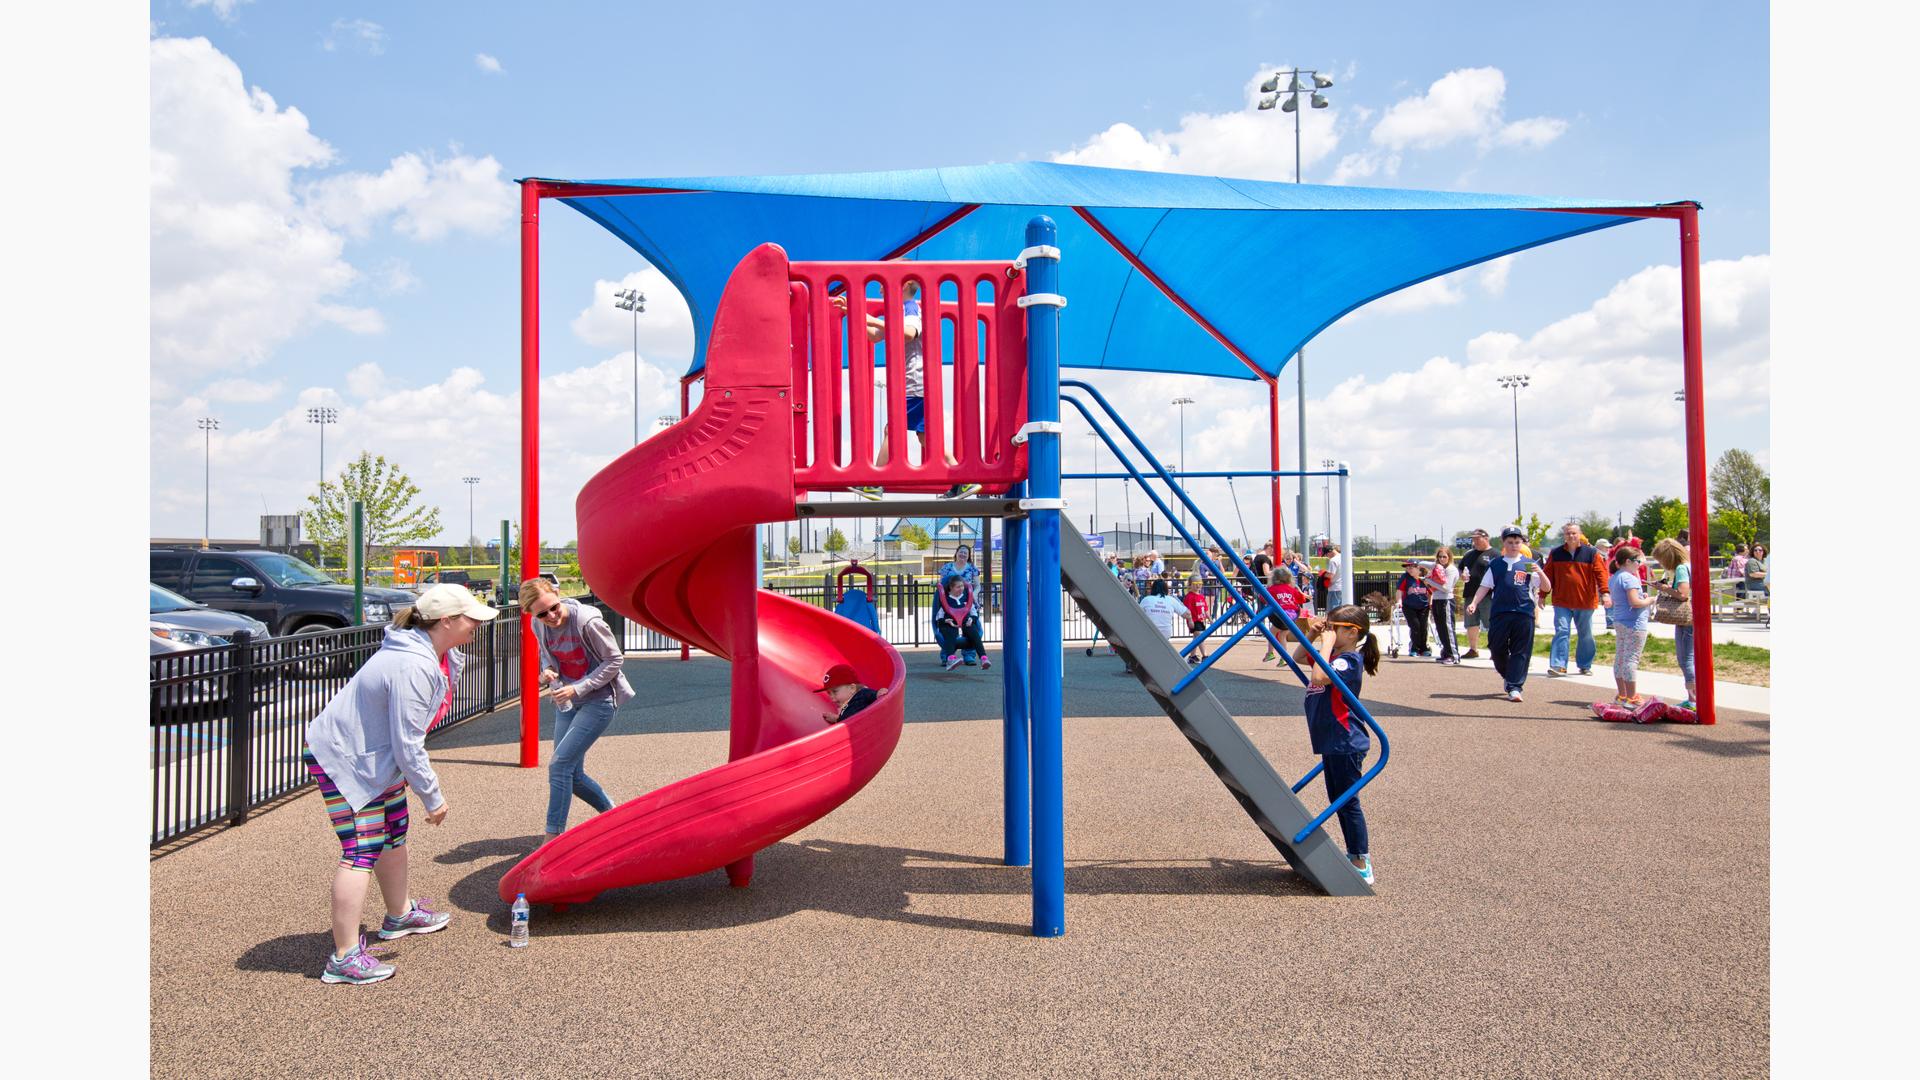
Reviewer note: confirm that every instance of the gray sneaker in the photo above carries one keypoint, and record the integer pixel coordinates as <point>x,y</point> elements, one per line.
<point>358,966</point>
<point>420,920</point>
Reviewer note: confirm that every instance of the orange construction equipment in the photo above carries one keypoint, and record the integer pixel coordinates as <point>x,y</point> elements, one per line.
<point>410,563</point>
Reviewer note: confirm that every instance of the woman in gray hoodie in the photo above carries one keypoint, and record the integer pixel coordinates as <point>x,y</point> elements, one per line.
<point>580,659</point>
<point>364,750</point>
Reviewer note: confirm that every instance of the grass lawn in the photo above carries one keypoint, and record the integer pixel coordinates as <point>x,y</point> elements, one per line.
<point>1732,663</point>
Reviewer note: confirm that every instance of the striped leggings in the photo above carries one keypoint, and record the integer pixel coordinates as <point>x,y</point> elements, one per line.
<point>1627,645</point>
<point>367,833</point>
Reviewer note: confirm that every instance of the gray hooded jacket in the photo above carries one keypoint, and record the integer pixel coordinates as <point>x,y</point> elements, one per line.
<point>374,731</point>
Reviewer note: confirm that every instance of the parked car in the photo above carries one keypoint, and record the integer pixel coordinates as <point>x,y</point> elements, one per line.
<point>195,687</point>
<point>288,595</point>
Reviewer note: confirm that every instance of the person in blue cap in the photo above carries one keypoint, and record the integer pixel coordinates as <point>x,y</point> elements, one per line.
<point>1513,585</point>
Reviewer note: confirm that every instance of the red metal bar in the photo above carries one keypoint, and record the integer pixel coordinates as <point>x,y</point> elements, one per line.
<point>561,189</point>
<point>1697,519</point>
<point>1167,290</point>
<point>1273,482</point>
<point>931,231</point>
<point>686,389</point>
<point>530,195</point>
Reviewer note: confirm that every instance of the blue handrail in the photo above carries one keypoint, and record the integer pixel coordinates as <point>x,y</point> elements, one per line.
<point>1270,608</point>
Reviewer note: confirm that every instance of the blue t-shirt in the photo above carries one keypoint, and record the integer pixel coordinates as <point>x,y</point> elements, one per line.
<point>1625,614</point>
<point>1332,725</point>
<point>1415,593</point>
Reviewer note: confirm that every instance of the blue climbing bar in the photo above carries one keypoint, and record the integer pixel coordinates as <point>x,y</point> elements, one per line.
<point>1018,811</point>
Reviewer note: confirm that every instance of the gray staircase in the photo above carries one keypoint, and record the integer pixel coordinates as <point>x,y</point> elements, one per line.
<point>1200,716</point>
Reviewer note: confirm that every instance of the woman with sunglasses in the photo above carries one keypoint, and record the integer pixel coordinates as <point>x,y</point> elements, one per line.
<point>365,748</point>
<point>579,657</point>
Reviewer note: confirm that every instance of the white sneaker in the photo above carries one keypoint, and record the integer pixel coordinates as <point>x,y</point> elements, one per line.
<point>1366,871</point>
<point>1513,695</point>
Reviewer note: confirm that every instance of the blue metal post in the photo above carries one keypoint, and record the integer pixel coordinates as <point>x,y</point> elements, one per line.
<point>1013,678</point>
<point>1043,574</point>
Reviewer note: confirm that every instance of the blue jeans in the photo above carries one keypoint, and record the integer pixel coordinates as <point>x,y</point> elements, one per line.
<point>1342,772</point>
<point>1566,621</point>
<point>1683,649</point>
<point>574,733</point>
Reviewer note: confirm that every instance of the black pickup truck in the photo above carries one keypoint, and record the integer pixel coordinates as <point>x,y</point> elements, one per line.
<point>288,595</point>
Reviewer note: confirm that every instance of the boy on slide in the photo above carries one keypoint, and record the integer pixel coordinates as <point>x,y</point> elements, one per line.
<point>844,689</point>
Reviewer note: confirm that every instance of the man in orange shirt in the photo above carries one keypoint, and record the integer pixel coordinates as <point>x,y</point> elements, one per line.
<point>1576,579</point>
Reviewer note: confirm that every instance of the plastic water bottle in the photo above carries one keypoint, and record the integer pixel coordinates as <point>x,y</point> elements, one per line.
<point>517,937</point>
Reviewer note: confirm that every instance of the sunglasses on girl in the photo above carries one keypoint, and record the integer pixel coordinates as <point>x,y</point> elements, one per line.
<point>552,609</point>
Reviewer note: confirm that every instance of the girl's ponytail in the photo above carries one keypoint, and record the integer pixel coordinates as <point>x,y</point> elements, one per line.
<point>1369,652</point>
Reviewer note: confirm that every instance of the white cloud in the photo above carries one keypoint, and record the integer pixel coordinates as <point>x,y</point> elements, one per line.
<point>666,326</point>
<point>222,8</point>
<point>245,257</point>
<point>396,276</point>
<point>359,34</point>
<point>1243,143</point>
<point>242,391</point>
<point>427,198</point>
<point>1493,275</point>
<point>1463,105</point>
<point>487,63</point>
<point>237,267</point>
<point>438,432</point>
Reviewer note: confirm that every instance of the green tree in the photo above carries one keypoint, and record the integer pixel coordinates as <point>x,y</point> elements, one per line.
<point>1425,545</point>
<point>393,519</point>
<point>836,541</point>
<point>1735,525</point>
<point>1673,518</point>
<point>1594,524</point>
<point>1650,517</point>
<point>1738,483</point>
<point>1363,545</point>
<point>915,536</point>
<point>1536,531</point>
<point>793,545</point>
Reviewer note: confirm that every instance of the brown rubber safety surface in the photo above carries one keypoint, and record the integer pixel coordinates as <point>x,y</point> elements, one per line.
<point>1558,897</point>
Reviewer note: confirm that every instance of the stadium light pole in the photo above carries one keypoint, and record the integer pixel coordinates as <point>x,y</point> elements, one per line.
<point>635,301</point>
<point>1182,402</point>
<point>470,481</point>
<point>1516,383</point>
<point>322,417</point>
<point>1326,499</point>
<point>208,425</point>
<point>1288,99</point>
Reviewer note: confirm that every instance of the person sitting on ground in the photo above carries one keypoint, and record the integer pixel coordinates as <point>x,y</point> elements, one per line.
<point>1337,733</point>
<point>847,693</point>
<point>957,621</point>
<point>1290,599</point>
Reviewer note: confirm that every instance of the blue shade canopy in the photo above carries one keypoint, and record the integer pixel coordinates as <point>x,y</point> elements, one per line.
<point>1231,250</point>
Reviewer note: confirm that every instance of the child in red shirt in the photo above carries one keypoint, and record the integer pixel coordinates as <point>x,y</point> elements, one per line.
<point>1291,600</point>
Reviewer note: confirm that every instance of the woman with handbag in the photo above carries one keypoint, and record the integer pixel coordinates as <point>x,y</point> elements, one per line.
<point>1673,605</point>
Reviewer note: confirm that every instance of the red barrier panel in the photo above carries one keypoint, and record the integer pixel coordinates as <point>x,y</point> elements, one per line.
<point>973,365</point>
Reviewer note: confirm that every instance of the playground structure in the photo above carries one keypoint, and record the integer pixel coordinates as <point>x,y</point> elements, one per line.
<point>735,461</point>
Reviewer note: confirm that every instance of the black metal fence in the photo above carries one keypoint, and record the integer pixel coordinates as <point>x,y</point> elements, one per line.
<point>229,722</point>
<point>904,605</point>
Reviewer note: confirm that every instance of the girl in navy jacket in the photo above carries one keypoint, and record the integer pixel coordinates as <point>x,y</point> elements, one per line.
<point>1339,735</point>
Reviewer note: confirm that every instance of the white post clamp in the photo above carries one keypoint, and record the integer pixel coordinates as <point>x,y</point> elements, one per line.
<point>1043,504</point>
<point>1037,427</point>
<point>1041,251</point>
<point>1050,299</point>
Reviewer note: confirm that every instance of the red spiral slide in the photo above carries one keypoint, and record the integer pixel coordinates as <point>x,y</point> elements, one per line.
<point>666,538</point>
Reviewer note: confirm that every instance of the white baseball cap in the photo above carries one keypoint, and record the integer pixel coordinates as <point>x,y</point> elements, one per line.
<point>444,600</point>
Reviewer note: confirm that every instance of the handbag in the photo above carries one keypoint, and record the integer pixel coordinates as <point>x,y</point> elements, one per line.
<point>1673,610</point>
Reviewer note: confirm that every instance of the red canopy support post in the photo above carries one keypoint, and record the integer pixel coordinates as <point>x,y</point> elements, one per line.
<point>529,464</point>
<point>1273,482</point>
<point>1697,519</point>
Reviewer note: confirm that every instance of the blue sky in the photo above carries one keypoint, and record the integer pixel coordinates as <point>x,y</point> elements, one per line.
<point>380,275</point>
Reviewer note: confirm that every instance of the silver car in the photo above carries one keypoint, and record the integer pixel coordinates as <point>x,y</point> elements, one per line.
<point>193,686</point>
